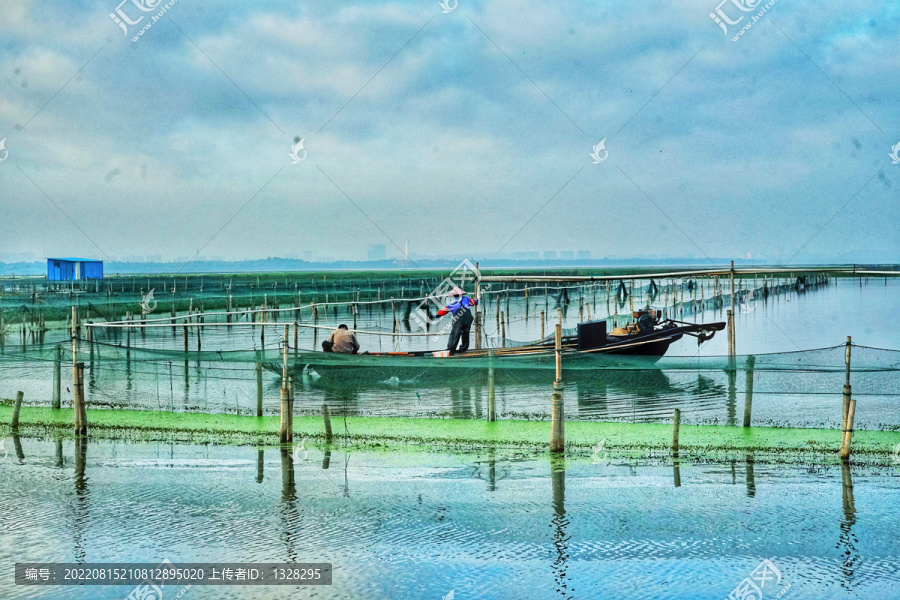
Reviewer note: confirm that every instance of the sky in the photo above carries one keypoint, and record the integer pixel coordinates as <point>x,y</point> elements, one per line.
<point>463,128</point>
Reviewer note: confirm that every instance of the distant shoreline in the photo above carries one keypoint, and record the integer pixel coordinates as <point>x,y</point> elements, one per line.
<point>277,265</point>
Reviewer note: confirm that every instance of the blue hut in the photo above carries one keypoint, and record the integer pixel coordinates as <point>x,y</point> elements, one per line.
<point>74,269</point>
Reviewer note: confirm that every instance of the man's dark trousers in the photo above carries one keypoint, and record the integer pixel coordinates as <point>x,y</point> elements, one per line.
<point>462,325</point>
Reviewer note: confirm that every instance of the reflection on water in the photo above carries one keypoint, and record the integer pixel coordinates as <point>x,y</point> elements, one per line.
<point>80,501</point>
<point>848,542</point>
<point>558,524</point>
<point>419,523</point>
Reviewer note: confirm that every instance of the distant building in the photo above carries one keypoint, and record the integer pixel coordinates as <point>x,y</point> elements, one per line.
<point>567,255</point>
<point>549,255</point>
<point>376,252</point>
<point>74,269</point>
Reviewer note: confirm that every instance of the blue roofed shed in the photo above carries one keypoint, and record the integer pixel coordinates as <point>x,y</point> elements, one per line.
<point>74,269</point>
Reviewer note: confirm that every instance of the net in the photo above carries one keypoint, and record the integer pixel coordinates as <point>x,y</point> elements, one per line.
<point>212,359</point>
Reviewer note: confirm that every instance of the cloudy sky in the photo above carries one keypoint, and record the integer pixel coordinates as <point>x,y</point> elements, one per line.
<point>468,131</point>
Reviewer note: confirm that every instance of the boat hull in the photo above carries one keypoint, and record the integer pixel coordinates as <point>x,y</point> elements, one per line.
<point>641,351</point>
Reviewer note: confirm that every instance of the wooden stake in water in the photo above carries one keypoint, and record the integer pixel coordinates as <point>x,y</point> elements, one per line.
<point>78,423</point>
<point>57,378</point>
<point>287,433</point>
<point>731,337</point>
<point>557,431</point>
<point>502,331</point>
<point>730,322</point>
<point>14,424</point>
<point>259,390</point>
<point>476,317</point>
<point>748,391</point>
<point>847,389</point>
<point>676,425</point>
<point>78,403</point>
<point>542,324</point>
<point>849,408</point>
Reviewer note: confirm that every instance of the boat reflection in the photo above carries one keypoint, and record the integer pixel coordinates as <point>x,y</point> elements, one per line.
<point>632,395</point>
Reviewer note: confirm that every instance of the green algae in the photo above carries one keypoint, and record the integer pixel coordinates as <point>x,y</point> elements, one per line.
<point>695,440</point>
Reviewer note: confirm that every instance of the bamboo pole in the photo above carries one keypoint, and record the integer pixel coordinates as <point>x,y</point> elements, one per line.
<point>731,336</point>
<point>327,418</point>
<point>476,316</point>
<point>558,347</point>
<point>287,434</point>
<point>748,391</point>
<point>848,433</point>
<point>730,322</point>
<point>78,397</point>
<point>557,431</point>
<point>57,378</point>
<point>676,425</point>
<point>14,424</point>
<point>78,403</point>
<point>259,390</point>
<point>849,408</point>
<point>847,389</point>
<point>542,324</point>
<point>502,330</point>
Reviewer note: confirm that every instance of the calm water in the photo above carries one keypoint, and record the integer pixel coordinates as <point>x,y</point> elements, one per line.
<point>420,523</point>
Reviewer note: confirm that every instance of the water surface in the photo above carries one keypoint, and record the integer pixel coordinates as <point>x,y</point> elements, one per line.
<point>418,523</point>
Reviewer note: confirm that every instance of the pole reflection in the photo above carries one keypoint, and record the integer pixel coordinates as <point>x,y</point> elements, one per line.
<point>81,498</point>
<point>288,509</point>
<point>751,478</point>
<point>848,542</point>
<point>17,444</point>
<point>731,400</point>
<point>260,462</point>
<point>559,523</point>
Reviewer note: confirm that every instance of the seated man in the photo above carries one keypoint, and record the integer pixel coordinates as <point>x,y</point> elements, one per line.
<point>342,341</point>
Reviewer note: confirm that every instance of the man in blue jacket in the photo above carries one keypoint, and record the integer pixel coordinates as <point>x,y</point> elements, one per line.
<point>460,307</point>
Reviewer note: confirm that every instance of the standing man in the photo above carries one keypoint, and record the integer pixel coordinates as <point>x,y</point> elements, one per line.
<point>460,307</point>
<point>342,341</point>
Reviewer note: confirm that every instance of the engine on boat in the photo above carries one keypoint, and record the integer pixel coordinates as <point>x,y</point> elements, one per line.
<point>645,321</point>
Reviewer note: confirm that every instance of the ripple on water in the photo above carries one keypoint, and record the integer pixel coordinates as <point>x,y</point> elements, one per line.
<point>413,524</point>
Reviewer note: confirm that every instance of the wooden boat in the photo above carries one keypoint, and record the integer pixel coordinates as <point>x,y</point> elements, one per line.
<point>645,340</point>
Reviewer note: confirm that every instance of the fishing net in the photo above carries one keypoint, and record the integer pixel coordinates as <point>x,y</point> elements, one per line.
<point>211,359</point>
